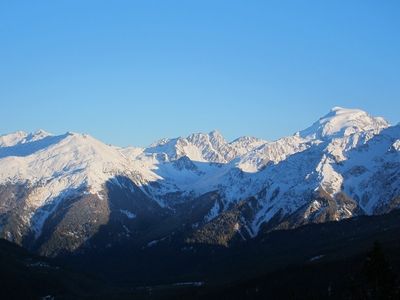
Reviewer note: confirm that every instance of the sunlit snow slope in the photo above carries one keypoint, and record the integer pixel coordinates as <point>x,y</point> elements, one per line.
<point>347,163</point>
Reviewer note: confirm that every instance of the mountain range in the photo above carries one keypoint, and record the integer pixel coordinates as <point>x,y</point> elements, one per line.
<point>70,194</point>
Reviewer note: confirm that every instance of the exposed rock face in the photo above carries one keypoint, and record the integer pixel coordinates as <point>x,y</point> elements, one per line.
<point>70,193</point>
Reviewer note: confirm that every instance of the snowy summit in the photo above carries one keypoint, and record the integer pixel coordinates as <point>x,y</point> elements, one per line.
<point>345,164</point>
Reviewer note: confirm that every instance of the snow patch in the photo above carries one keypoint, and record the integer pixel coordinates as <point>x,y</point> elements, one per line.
<point>315,258</point>
<point>396,145</point>
<point>213,213</point>
<point>128,214</point>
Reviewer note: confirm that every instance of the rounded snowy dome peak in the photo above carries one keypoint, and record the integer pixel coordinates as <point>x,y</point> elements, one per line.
<point>339,108</point>
<point>336,108</point>
<point>343,122</point>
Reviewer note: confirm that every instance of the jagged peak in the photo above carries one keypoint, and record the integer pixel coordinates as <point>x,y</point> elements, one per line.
<point>247,139</point>
<point>37,135</point>
<point>42,132</point>
<point>215,133</point>
<point>216,136</point>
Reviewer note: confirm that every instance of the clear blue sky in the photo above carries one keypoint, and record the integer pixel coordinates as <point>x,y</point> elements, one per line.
<point>131,72</point>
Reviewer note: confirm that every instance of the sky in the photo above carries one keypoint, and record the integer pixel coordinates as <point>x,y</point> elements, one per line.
<point>132,72</point>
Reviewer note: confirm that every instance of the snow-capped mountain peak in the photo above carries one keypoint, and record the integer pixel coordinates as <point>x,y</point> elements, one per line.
<point>11,139</point>
<point>70,158</point>
<point>38,135</point>
<point>205,147</point>
<point>346,164</point>
<point>341,122</point>
<point>21,137</point>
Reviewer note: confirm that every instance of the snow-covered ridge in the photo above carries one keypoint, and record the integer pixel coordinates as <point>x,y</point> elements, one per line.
<point>80,158</point>
<point>347,150</point>
<point>202,147</point>
<point>21,137</point>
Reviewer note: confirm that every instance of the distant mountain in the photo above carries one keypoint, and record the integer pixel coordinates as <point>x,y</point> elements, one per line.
<point>72,193</point>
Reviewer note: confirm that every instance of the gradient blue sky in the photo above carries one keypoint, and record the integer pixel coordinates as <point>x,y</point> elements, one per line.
<point>131,72</point>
